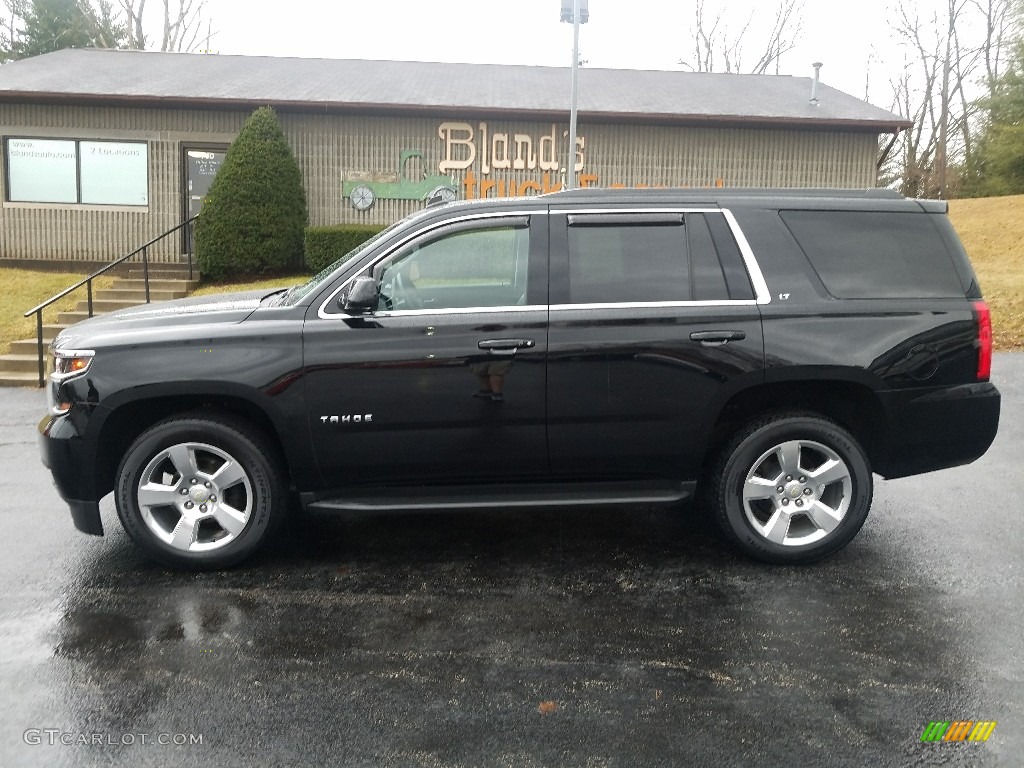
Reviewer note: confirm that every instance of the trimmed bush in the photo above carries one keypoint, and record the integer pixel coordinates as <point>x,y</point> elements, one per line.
<point>255,214</point>
<point>325,245</point>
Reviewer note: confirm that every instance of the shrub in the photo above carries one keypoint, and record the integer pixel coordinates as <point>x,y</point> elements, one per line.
<point>325,245</point>
<point>255,214</point>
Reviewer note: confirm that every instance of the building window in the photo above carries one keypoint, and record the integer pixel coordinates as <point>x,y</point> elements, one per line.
<point>76,171</point>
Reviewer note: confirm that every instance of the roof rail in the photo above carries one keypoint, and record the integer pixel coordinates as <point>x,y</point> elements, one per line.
<point>596,193</point>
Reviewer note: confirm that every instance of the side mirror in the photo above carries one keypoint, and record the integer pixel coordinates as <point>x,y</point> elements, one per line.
<point>360,298</point>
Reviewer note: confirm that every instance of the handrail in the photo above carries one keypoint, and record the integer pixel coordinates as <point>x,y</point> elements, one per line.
<point>143,249</point>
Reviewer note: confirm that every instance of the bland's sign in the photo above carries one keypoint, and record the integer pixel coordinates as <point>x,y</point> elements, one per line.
<point>499,150</point>
<point>479,150</point>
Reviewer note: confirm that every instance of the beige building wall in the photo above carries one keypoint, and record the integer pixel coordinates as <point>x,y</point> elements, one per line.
<point>334,151</point>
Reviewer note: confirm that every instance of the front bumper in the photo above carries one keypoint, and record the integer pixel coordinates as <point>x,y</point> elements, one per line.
<point>65,454</point>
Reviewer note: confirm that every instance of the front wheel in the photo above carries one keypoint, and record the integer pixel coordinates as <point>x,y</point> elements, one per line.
<point>791,488</point>
<point>199,493</point>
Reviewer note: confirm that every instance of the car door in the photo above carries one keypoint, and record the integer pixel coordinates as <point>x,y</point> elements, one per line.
<point>654,323</point>
<point>443,381</point>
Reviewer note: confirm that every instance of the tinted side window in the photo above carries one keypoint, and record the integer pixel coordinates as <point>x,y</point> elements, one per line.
<point>736,276</point>
<point>476,268</point>
<point>628,263</point>
<point>869,254</point>
<point>705,267</point>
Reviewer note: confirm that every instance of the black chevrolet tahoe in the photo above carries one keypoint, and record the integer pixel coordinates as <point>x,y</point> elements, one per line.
<point>767,350</point>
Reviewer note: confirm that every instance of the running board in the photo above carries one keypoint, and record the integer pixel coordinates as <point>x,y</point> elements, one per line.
<point>446,498</point>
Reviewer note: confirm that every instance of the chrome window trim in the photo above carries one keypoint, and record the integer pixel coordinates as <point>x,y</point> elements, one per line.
<point>324,315</point>
<point>455,311</point>
<point>658,304</point>
<point>662,209</point>
<point>761,294</point>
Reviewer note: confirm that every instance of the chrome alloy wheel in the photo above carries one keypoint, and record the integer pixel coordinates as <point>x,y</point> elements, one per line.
<point>195,497</point>
<point>797,492</point>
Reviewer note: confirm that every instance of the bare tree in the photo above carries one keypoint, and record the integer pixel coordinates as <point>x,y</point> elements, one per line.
<point>953,59</point>
<point>1001,28</point>
<point>133,10</point>
<point>182,25</point>
<point>181,29</point>
<point>716,49</point>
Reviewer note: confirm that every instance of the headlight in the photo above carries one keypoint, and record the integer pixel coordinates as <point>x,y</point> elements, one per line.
<point>68,363</point>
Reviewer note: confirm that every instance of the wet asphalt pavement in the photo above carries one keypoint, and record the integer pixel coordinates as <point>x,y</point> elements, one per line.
<point>579,638</point>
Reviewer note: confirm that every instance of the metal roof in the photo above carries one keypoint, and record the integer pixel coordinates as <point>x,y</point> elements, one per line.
<point>146,78</point>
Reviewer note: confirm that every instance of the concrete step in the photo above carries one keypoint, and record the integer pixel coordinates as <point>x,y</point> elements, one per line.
<point>19,368</point>
<point>162,272</point>
<point>99,307</point>
<point>49,334</point>
<point>138,294</point>
<point>18,379</point>
<point>19,363</point>
<point>28,346</point>
<point>81,311</point>
<point>70,318</point>
<point>122,283</point>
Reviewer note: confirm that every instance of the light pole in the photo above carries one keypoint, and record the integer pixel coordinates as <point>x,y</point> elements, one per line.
<point>574,11</point>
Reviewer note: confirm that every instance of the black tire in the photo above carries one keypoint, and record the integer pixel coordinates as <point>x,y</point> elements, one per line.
<point>791,526</point>
<point>230,527</point>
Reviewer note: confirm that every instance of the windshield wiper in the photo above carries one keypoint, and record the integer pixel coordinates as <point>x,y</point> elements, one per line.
<point>285,291</point>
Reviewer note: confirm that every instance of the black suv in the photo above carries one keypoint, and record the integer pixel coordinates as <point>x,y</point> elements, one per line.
<point>768,349</point>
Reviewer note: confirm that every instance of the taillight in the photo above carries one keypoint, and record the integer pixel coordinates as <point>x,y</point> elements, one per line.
<point>984,318</point>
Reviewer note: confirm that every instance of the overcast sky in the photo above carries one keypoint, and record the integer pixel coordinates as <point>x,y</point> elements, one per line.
<point>626,34</point>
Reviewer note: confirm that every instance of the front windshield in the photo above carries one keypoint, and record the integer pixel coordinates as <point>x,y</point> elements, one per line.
<point>296,293</point>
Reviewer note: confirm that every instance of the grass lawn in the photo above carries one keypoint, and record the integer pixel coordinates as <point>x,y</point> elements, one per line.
<point>270,283</point>
<point>25,288</point>
<point>992,230</point>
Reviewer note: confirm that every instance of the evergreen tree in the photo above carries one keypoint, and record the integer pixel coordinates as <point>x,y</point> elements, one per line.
<point>997,164</point>
<point>51,25</point>
<point>11,14</point>
<point>254,216</point>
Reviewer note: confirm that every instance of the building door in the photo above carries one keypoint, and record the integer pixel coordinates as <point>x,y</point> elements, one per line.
<point>201,165</point>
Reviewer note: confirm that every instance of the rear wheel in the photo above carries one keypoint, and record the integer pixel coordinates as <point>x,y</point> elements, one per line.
<point>791,488</point>
<point>200,493</point>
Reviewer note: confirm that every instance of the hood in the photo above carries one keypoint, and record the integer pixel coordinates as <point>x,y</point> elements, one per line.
<point>226,308</point>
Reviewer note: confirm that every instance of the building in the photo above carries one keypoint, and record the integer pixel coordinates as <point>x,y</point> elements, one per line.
<point>103,150</point>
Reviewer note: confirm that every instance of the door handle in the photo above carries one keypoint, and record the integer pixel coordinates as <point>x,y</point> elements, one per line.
<point>717,338</point>
<point>505,346</point>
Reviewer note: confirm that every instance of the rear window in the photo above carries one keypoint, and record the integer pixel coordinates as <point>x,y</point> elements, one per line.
<point>872,255</point>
